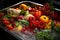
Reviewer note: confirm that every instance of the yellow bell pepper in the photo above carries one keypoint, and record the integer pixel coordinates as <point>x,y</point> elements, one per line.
<point>48,26</point>
<point>19,28</point>
<point>24,7</point>
<point>44,18</point>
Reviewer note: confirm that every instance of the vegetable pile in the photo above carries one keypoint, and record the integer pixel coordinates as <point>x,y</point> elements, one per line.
<point>33,20</point>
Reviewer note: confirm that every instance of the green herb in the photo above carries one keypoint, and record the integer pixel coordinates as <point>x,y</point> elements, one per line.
<point>27,12</point>
<point>6,16</point>
<point>44,35</point>
<point>52,25</point>
<point>17,24</point>
<point>24,22</point>
<point>23,12</point>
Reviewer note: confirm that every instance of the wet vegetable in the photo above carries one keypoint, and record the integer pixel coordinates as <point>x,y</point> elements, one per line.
<point>44,35</point>
<point>24,22</point>
<point>23,12</point>
<point>40,22</point>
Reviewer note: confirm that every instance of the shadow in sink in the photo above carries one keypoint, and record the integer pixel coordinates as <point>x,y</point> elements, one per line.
<point>5,35</point>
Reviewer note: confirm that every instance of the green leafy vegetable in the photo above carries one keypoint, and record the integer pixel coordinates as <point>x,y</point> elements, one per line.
<point>24,22</point>
<point>44,35</point>
<point>17,24</point>
<point>52,25</point>
<point>27,12</point>
<point>23,12</point>
<point>7,16</point>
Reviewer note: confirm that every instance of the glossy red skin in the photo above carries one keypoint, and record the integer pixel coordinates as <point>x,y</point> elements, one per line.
<point>9,27</point>
<point>32,27</point>
<point>31,9</point>
<point>37,14</point>
<point>33,24</point>
<point>6,22</point>
<point>41,25</point>
<point>36,24</point>
<point>31,18</point>
<point>20,17</point>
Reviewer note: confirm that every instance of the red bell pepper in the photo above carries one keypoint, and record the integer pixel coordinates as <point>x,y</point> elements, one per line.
<point>32,18</point>
<point>41,25</point>
<point>33,25</point>
<point>37,14</point>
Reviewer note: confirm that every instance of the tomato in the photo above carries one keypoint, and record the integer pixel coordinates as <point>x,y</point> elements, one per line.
<point>9,27</point>
<point>20,17</point>
<point>6,22</point>
<point>30,9</point>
